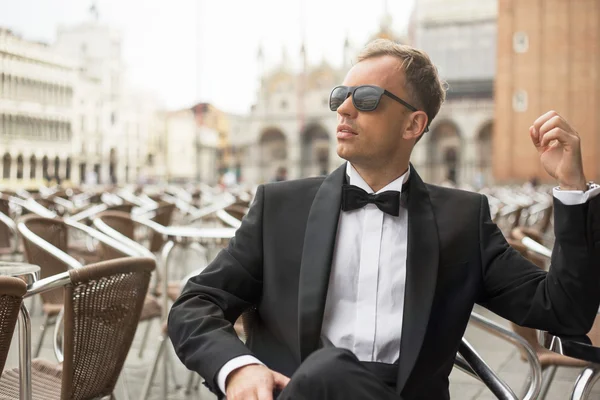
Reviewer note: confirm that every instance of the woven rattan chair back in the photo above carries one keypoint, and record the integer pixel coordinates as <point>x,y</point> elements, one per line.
<point>103,303</point>
<point>121,222</point>
<point>12,291</point>
<point>163,216</point>
<point>55,232</point>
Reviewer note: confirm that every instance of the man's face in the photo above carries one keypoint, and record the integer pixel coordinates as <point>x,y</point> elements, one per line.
<point>376,136</point>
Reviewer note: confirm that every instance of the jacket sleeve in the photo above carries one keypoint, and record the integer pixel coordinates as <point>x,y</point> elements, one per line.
<point>200,322</point>
<point>563,301</point>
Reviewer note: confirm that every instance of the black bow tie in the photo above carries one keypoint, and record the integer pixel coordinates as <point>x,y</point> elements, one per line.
<point>354,198</point>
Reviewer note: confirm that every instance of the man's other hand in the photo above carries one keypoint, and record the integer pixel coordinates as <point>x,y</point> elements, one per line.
<point>254,382</point>
<point>559,146</point>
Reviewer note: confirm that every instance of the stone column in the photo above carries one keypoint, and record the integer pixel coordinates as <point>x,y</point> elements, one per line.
<point>13,168</point>
<point>26,168</point>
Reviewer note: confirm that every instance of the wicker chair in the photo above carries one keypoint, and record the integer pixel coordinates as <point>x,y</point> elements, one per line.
<point>46,244</point>
<point>163,215</point>
<point>103,302</point>
<point>122,222</point>
<point>121,226</point>
<point>12,291</point>
<point>54,233</point>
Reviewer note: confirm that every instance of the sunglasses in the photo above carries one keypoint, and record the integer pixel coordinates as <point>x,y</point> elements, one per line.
<point>364,97</point>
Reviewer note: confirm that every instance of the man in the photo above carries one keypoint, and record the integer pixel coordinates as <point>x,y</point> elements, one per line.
<point>281,175</point>
<point>359,295</point>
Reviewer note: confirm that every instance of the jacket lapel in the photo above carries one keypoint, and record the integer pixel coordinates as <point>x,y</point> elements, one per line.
<point>421,275</point>
<point>317,253</point>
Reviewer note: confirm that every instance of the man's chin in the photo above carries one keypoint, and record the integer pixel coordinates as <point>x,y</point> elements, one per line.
<point>343,151</point>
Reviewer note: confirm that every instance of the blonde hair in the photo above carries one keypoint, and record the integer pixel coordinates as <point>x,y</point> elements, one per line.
<point>423,83</point>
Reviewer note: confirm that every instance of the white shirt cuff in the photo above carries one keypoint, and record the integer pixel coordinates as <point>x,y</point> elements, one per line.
<point>232,365</point>
<point>574,197</point>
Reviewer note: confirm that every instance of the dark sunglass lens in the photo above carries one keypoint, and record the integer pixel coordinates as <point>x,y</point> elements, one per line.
<point>338,96</point>
<point>366,98</point>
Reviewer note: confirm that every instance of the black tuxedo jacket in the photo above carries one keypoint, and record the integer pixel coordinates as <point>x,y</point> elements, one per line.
<point>280,259</point>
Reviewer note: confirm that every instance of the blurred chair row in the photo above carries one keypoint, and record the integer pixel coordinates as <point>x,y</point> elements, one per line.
<point>44,239</point>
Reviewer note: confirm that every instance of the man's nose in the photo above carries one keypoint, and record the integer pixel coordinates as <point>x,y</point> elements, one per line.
<point>347,107</point>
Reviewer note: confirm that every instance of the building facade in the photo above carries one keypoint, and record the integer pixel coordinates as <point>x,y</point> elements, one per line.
<point>188,149</point>
<point>548,59</point>
<point>116,119</point>
<point>290,126</point>
<point>214,154</point>
<point>36,96</point>
<point>66,113</point>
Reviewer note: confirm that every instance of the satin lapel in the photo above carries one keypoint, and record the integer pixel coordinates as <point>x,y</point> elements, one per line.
<point>421,275</point>
<point>317,254</point>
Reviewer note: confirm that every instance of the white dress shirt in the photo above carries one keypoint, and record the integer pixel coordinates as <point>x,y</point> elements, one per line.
<point>365,298</point>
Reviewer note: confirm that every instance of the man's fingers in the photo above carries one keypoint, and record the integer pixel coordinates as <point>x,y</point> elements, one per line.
<point>557,134</point>
<point>280,380</point>
<point>534,137</point>
<point>555,122</point>
<point>542,120</point>
<point>264,393</point>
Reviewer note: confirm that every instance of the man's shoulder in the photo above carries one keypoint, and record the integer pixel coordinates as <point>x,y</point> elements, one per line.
<point>294,186</point>
<point>291,196</point>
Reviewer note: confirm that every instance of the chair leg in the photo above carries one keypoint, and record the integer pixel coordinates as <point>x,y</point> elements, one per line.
<point>38,347</point>
<point>547,378</point>
<point>585,382</point>
<point>150,376</point>
<point>32,304</point>
<point>145,337</point>
<point>172,369</point>
<point>190,383</point>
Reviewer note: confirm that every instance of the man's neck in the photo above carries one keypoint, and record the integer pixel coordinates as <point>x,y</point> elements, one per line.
<point>378,178</point>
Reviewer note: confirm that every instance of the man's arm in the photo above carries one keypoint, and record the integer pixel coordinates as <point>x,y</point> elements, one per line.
<point>564,300</point>
<point>201,320</point>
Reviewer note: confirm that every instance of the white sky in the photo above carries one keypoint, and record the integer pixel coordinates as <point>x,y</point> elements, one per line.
<point>205,50</point>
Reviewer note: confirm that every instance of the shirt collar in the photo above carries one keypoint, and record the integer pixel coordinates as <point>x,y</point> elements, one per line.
<point>355,179</point>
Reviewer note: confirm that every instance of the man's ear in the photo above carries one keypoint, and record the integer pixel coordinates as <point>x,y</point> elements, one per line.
<point>417,125</point>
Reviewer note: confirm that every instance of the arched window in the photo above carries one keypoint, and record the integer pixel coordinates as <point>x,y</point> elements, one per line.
<point>6,160</point>
<point>32,167</point>
<point>45,168</point>
<point>20,166</point>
